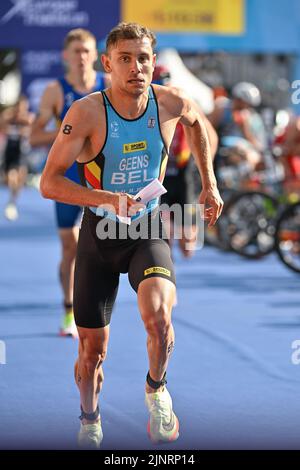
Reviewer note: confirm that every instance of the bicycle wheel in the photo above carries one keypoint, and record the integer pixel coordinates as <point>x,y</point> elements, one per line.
<point>287,237</point>
<point>249,223</point>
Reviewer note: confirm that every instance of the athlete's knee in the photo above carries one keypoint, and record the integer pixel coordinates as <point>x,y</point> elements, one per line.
<point>91,362</point>
<point>12,177</point>
<point>69,250</point>
<point>158,321</point>
<point>92,358</point>
<point>187,248</point>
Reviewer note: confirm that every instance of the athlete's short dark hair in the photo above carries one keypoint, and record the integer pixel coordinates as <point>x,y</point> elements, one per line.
<point>129,31</point>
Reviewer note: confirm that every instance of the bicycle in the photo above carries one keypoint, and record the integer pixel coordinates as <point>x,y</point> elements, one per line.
<point>287,237</point>
<point>248,221</point>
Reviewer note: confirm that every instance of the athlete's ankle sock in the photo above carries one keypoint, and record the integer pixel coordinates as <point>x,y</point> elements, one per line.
<point>68,306</point>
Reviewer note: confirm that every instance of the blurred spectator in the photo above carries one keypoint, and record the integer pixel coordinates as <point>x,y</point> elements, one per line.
<point>15,122</point>
<point>238,119</point>
<point>287,147</point>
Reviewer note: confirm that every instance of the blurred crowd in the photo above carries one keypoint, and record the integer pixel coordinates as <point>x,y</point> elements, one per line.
<point>252,140</point>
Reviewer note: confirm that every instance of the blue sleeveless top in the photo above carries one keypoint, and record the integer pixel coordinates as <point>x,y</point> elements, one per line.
<point>133,154</point>
<point>69,96</point>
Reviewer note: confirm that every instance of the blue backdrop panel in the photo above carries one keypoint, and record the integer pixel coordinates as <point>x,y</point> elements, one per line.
<point>28,23</point>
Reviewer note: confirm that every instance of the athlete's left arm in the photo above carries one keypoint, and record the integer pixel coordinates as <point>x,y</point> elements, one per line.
<point>181,106</point>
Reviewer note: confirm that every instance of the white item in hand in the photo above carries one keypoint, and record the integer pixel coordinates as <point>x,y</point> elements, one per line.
<point>151,191</point>
<point>124,220</point>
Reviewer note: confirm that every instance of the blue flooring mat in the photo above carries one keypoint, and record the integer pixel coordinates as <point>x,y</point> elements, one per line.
<point>231,376</point>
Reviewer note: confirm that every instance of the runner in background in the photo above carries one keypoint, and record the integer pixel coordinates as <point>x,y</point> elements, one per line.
<point>79,56</point>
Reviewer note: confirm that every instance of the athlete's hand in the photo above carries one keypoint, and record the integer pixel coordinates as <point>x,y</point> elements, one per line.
<point>212,203</point>
<point>134,206</point>
<point>121,204</point>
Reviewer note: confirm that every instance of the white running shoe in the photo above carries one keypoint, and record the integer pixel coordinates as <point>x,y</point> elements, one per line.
<point>11,212</point>
<point>163,425</point>
<point>68,326</point>
<point>90,436</point>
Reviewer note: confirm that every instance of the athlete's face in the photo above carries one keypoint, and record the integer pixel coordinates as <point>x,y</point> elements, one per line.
<point>80,55</point>
<point>130,64</point>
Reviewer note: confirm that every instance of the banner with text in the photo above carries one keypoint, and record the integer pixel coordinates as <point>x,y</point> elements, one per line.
<point>207,16</point>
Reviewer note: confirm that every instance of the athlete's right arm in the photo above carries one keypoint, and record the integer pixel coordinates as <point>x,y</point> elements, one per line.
<point>47,111</point>
<point>79,127</point>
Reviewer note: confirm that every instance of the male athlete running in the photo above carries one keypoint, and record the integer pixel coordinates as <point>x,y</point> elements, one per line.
<point>120,140</point>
